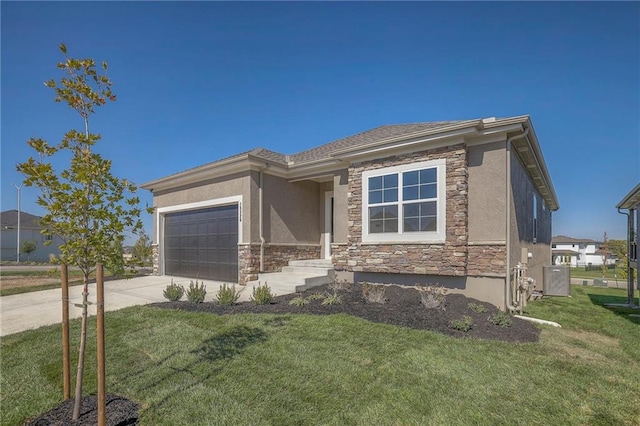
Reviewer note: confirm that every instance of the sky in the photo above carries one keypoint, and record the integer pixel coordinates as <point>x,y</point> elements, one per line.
<point>200,81</point>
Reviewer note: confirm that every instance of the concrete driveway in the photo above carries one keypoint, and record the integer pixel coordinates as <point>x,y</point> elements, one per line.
<point>27,311</point>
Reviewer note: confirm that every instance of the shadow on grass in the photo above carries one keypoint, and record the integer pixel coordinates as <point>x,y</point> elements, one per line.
<point>606,301</point>
<point>230,343</point>
<point>219,347</point>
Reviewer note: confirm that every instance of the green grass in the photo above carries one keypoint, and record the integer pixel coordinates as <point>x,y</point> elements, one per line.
<point>75,278</point>
<point>609,274</point>
<point>203,369</point>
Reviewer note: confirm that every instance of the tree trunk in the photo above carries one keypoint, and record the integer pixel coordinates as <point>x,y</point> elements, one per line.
<point>81,350</point>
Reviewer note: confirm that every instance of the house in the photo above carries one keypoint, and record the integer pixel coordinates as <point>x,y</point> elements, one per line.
<point>631,203</point>
<point>455,203</point>
<point>576,252</point>
<point>30,230</point>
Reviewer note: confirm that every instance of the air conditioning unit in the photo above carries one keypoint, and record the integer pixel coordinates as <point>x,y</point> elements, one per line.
<point>557,281</point>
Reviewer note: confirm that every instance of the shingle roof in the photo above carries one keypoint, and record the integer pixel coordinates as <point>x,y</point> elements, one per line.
<point>366,138</point>
<point>563,239</point>
<point>9,218</point>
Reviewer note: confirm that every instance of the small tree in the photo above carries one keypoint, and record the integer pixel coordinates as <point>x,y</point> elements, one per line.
<point>87,207</point>
<point>142,250</point>
<point>28,247</point>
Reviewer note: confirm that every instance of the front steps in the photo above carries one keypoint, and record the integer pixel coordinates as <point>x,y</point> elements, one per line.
<point>300,275</point>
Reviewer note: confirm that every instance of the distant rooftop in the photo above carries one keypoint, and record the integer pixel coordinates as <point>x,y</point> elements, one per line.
<point>9,219</point>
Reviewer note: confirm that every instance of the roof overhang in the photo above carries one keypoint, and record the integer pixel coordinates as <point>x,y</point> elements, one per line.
<point>528,150</point>
<point>631,200</point>
<point>233,165</point>
<point>470,132</point>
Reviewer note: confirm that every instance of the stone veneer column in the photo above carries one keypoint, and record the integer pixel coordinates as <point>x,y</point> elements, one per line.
<point>155,256</point>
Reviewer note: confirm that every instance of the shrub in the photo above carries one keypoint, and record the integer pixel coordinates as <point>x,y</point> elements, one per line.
<point>501,319</point>
<point>227,295</point>
<point>298,301</point>
<point>432,297</point>
<point>373,293</point>
<point>316,296</point>
<point>332,299</point>
<point>463,324</point>
<point>262,295</point>
<point>196,292</point>
<point>53,273</point>
<point>339,285</point>
<point>476,307</point>
<point>173,292</point>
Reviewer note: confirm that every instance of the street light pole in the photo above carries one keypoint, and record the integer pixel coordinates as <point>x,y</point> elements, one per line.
<point>19,214</point>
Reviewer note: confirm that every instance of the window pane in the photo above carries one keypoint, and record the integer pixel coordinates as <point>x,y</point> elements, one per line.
<point>428,224</point>
<point>411,225</point>
<point>411,210</point>
<point>410,193</point>
<point>428,191</point>
<point>375,226</point>
<point>375,182</point>
<point>390,212</point>
<point>428,208</point>
<point>410,178</point>
<point>428,175</point>
<point>390,195</point>
<point>391,181</point>
<point>391,225</point>
<point>376,213</point>
<point>375,197</point>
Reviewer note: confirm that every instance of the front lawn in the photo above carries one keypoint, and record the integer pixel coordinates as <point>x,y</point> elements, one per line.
<point>254,369</point>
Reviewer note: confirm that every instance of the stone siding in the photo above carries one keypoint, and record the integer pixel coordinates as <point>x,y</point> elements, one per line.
<point>275,257</point>
<point>155,256</point>
<point>248,262</point>
<point>487,260</point>
<point>448,258</point>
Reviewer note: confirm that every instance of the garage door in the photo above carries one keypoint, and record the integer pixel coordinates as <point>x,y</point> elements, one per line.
<point>202,243</point>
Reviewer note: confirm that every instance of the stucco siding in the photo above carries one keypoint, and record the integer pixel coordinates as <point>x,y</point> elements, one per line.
<point>291,211</point>
<point>487,193</point>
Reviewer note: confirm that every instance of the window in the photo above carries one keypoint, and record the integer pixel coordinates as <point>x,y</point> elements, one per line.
<point>48,237</point>
<point>404,203</point>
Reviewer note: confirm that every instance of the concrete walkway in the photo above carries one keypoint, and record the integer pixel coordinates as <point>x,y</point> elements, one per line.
<point>27,311</point>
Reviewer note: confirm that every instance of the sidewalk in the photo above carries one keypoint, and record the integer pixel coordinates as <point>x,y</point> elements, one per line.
<point>27,311</point>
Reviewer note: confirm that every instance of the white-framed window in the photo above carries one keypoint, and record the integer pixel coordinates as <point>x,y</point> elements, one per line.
<point>405,204</point>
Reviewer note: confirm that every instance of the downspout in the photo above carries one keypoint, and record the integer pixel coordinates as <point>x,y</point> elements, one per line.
<point>509,297</point>
<point>630,274</point>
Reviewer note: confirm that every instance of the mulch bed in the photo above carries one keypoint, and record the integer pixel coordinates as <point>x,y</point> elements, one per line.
<point>119,412</point>
<point>402,308</point>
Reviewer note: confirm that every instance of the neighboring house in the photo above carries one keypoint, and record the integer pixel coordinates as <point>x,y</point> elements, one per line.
<point>631,202</point>
<point>455,203</point>
<point>576,252</point>
<point>30,230</point>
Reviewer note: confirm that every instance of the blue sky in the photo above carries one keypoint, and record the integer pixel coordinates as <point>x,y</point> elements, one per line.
<point>200,81</point>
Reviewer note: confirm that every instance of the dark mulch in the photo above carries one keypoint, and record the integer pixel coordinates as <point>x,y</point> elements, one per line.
<point>402,308</point>
<point>119,412</point>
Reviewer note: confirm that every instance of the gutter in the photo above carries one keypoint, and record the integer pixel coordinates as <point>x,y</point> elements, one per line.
<point>509,297</point>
